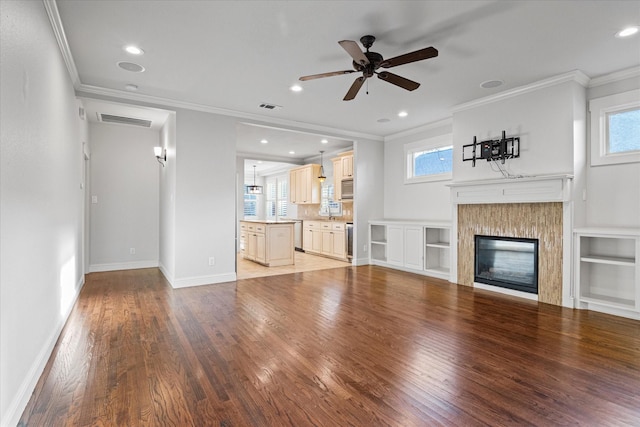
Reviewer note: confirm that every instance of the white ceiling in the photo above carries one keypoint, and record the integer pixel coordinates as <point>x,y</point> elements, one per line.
<point>235,55</point>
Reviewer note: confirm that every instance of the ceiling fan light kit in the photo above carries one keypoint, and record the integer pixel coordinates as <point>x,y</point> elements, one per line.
<point>368,64</point>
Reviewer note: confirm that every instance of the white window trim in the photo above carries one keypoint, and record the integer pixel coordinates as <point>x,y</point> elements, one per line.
<point>424,145</point>
<point>599,108</point>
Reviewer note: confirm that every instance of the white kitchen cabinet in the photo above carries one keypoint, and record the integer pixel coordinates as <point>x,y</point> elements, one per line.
<point>327,238</point>
<point>304,185</point>
<point>607,270</point>
<point>342,168</point>
<point>419,247</point>
<point>269,243</point>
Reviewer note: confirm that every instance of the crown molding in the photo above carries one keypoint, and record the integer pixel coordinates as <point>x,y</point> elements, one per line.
<point>575,76</point>
<point>433,125</point>
<point>58,30</point>
<point>172,103</point>
<point>615,77</point>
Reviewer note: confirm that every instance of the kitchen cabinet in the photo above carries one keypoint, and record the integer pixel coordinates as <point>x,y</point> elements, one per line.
<point>269,243</point>
<point>326,238</point>
<point>419,247</point>
<point>607,270</point>
<point>342,169</point>
<point>304,185</point>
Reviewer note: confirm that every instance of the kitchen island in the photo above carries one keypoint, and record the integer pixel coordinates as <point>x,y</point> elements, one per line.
<point>268,243</point>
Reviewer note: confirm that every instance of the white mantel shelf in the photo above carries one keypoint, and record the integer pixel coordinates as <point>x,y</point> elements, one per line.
<point>535,189</point>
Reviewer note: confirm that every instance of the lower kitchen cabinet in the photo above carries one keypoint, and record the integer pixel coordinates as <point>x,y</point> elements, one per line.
<point>326,238</point>
<point>419,247</point>
<point>269,243</point>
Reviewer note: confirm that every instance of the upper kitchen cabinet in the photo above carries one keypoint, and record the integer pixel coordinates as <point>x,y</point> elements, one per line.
<point>304,186</point>
<point>342,169</point>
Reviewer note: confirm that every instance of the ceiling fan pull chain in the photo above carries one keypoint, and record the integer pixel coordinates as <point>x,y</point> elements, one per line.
<point>367,86</point>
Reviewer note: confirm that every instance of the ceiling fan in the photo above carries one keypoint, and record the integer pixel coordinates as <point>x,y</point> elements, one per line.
<point>368,63</point>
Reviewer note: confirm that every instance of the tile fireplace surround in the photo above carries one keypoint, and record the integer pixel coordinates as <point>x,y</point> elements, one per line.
<point>536,208</point>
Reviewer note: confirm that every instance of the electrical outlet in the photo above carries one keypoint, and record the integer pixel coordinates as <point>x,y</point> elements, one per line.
<point>132,251</point>
<point>212,260</point>
<point>364,248</point>
<point>94,199</point>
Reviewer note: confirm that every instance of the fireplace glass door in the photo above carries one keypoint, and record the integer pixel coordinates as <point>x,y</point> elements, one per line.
<point>507,262</point>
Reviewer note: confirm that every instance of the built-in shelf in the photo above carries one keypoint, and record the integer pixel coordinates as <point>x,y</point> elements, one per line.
<point>418,246</point>
<point>607,270</point>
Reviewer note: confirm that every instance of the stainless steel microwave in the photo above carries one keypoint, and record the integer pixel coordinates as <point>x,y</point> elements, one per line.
<point>347,189</point>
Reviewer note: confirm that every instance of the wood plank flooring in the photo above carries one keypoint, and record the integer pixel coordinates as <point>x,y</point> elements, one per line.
<point>353,346</point>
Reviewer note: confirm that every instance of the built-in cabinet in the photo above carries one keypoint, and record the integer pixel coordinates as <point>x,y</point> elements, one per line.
<point>607,270</point>
<point>304,186</point>
<point>326,238</point>
<point>268,243</point>
<point>421,247</point>
<point>342,169</point>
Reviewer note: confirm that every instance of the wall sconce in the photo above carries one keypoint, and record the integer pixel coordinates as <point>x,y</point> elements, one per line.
<point>161,154</point>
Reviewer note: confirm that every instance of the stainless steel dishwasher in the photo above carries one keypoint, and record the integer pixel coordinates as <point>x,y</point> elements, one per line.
<point>349,240</point>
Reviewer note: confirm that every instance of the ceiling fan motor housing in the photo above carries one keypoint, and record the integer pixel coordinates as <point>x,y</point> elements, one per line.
<point>375,59</point>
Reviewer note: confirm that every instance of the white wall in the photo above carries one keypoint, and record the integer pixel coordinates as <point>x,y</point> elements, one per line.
<point>613,191</point>
<point>543,119</point>
<point>167,214</point>
<point>41,202</point>
<point>125,181</point>
<point>424,201</point>
<point>369,196</point>
<point>205,198</point>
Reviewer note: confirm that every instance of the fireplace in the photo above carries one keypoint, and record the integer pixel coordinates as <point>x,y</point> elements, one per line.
<point>507,262</point>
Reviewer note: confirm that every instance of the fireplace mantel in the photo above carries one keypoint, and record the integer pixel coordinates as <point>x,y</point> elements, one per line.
<point>545,188</point>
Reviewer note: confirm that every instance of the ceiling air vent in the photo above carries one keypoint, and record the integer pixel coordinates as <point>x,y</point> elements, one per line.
<point>108,118</point>
<point>268,106</point>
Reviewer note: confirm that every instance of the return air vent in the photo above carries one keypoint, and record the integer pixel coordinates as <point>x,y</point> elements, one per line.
<point>108,118</point>
<point>268,106</point>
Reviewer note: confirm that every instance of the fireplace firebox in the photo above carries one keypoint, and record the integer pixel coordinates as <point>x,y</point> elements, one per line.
<point>507,262</point>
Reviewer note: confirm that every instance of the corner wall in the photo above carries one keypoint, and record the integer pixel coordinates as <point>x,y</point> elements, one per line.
<point>41,200</point>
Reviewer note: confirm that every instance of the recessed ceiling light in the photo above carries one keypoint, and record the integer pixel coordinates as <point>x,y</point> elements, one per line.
<point>629,31</point>
<point>324,141</point>
<point>403,114</point>
<point>133,50</point>
<point>383,120</point>
<point>489,84</point>
<point>259,162</point>
<point>264,141</point>
<point>130,66</point>
<point>296,88</point>
<point>131,87</point>
<point>292,152</point>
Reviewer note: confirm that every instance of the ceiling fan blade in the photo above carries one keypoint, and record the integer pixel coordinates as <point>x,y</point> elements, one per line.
<point>418,55</point>
<point>398,81</point>
<point>354,50</point>
<point>333,73</point>
<point>355,87</point>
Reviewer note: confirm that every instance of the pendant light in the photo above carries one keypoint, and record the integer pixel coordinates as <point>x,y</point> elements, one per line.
<point>321,178</point>
<point>254,189</point>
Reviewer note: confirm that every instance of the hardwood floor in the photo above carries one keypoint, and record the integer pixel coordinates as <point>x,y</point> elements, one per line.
<point>361,346</point>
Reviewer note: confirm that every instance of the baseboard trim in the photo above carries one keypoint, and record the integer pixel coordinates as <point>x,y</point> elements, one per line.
<point>19,403</point>
<point>133,265</point>
<point>202,280</point>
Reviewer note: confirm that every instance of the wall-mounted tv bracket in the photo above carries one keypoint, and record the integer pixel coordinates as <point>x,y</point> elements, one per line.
<point>492,149</point>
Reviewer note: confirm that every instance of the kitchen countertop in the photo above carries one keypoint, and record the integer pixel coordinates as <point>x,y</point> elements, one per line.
<point>268,221</point>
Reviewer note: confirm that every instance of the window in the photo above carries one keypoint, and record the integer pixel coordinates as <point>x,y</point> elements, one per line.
<point>328,206</point>
<point>429,160</point>
<point>250,204</point>
<point>276,197</point>
<point>615,129</point>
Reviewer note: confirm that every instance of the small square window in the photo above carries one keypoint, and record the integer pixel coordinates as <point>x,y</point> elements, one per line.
<point>615,129</point>
<point>623,131</point>
<point>430,160</point>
